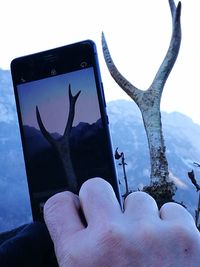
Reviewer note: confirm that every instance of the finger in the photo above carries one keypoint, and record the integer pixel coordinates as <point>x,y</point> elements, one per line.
<point>140,205</point>
<point>98,201</point>
<point>175,212</point>
<point>61,214</point>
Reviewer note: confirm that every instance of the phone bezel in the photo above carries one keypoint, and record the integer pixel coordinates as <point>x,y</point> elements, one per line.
<point>38,66</point>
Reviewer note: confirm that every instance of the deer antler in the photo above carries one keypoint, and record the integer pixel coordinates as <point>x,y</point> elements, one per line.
<point>72,100</point>
<point>149,104</point>
<point>62,145</point>
<point>165,68</point>
<point>173,50</point>
<point>130,89</point>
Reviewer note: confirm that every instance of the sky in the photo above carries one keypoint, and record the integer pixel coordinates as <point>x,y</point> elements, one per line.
<point>138,35</point>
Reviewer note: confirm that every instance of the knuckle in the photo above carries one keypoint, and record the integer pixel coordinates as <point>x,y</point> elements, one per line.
<point>184,235</point>
<point>58,199</point>
<point>94,186</point>
<point>147,234</point>
<point>111,235</point>
<point>53,205</point>
<point>66,257</point>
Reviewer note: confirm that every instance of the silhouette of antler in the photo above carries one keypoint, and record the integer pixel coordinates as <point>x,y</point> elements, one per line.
<point>62,145</point>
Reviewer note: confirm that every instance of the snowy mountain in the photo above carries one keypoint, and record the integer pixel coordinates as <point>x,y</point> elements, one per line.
<point>7,103</point>
<point>127,131</point>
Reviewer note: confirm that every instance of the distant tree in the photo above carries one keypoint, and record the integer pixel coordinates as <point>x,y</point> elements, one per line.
<point>161,187</point>
<point>192,178</point>
<point>121,157</point>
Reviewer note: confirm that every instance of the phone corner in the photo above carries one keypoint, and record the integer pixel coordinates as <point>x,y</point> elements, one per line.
<point>12,63</point>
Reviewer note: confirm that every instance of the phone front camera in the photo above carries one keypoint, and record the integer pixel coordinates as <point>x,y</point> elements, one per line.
<point>83,64</point>
<point>53,72</point>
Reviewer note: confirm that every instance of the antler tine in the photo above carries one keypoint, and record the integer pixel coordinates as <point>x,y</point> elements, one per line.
<point>173,50</point>
<point>172,7</point>
<point>72,102</point>
<point>130,89</point>
<point>44,131</point>
<point>71,97</point>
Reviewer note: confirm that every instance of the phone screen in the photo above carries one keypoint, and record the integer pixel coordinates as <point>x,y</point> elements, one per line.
<point>64,133</point>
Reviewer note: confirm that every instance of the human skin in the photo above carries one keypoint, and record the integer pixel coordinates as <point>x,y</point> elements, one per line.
<point>139,236</point>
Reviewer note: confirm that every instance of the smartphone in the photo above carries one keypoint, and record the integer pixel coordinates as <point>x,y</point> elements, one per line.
<point>63,121</point>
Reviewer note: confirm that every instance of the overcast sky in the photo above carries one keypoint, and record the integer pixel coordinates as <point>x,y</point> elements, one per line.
<point>138,34</point>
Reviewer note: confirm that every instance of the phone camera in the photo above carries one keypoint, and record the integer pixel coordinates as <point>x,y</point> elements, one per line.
<point>53,72</point>
<point>23,80</point>
<point>83,64</point>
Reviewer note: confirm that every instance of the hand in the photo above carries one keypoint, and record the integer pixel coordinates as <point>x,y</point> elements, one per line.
<point>140,236</point>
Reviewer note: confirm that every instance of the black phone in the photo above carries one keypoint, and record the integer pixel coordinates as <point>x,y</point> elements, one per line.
<point>63,121</point>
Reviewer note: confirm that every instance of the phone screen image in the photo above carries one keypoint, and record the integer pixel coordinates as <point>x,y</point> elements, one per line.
<point>64,138</point>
